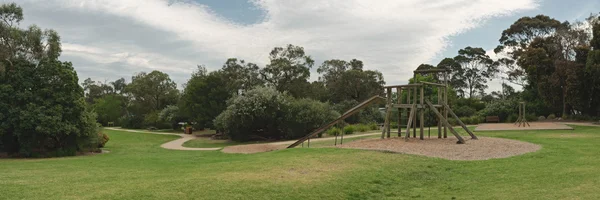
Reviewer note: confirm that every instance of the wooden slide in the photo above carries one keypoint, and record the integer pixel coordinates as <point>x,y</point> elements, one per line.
<point>344,116</point>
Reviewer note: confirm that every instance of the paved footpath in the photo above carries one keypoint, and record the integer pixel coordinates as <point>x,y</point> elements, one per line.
<point>178,143</point>
<point>175,144</point>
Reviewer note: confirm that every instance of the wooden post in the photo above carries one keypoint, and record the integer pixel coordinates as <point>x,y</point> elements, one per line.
<point>415,118</point>
<point>408,123</point>
<point>410,119</point>
<point>399,99</point>
<point>389,111</point>
<point>445,121</point>
<point>439,102</point>
<point>445,103</point>
<point>422,111</point>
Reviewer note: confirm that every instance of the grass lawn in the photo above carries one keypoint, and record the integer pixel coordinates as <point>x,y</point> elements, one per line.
<point>567,167</point>
<point>203,142</point>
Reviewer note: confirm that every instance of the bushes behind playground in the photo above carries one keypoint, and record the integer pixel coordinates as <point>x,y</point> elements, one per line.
<point>266,114</point>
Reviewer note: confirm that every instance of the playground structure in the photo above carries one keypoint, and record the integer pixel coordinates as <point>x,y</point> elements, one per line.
<point>522,120</point>
<point>413,105</point>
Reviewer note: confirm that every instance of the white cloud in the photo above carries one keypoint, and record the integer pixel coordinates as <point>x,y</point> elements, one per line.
<point>388,35</point>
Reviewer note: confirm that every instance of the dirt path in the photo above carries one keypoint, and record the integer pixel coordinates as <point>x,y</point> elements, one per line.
<point>175,144</point>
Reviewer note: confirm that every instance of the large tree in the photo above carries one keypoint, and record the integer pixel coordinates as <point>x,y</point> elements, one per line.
<point>288,70</point>
<point>42,108</point>
<point>348,81</point>
<point>205,96</point>
<point>241,75</point>
<point>476,68</point>
<point>154,90</point>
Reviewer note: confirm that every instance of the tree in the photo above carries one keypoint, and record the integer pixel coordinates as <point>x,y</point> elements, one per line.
<point>347,80</point>
<point>521,33</point>
<point>109,108</point>
<point>288,70</point>
<point>42,108</point>
<point>476,68</point>
<point>205,97</point>
<point>241,75</point>
<point>119,85</point>
<point>95,90</point>
<point>154,90</point>
<point>31,44</point>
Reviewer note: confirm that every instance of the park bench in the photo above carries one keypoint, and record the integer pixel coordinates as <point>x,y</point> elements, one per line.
<point>492,119</point>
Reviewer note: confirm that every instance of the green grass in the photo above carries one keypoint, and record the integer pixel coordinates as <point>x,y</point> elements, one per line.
<point>137,168</point>
<point>209,143</point>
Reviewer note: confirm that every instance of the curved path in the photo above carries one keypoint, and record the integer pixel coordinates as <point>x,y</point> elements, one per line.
<point>178,143</point>
<point>175,144</point>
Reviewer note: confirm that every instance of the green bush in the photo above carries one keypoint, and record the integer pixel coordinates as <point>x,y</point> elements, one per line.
<point>465,120</point>
<point>350,129</point>
<point>465,111</point>
<point>362,128</point>
<point>394,125</point>
<point>265,113</point>
<point>452,121</point>
<point>43,111</point>
<point>502,108</point>
<point>373,126</point>
<point>476,120</point>
<point>511,118</point>
<point>551,116</point>
<point>103,139</point>
<point>306,115</point>
<point>334,131</point>
<point>531,117</point>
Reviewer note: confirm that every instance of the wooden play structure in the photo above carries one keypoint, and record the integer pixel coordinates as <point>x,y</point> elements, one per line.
<point>412,101</point>
<point>522,120</point>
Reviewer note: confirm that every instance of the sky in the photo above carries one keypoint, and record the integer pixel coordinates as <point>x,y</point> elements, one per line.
<point>109,39</point>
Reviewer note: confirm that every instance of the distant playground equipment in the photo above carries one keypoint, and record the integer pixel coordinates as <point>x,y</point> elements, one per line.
<point>522,120</point>
<point>413,92</point>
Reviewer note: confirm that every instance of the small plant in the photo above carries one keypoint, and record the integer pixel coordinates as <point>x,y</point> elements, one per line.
<point>394,125</point>
<point>551,116</point>
<point>373,126</point>
<point>464,120</point>
<point>541,118</point>
<point>362,128</point>
<point>350,129</point>
<point>103,139</point>
<point>334,131</point>
<point>476,120</point>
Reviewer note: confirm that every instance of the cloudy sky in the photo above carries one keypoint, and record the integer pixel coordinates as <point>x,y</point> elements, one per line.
<point>109,39</point>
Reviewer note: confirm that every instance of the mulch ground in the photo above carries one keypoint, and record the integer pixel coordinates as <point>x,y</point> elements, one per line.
<point>252,148</point>
<point>482,149</point>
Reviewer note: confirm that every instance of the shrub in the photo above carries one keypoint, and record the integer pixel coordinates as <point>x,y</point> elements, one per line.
<point>264,113</point>
<point>531,117</point>
<point>102,139</point>
<point>541,118</point>
<point>465,111</point>
<point>362,128</point>
<point>465,120</point>
<point>258,114</point>
<point>334,131</point>
<point>476,120</point>
<point>43,111</point>
<point>512,118</point>
<point>501,108</point>
<point>348,130</point>
<point>306,115</point>
<point>373,126</point>
<point>452,121</point>
<point>394,125</point>
<point>551,116</point>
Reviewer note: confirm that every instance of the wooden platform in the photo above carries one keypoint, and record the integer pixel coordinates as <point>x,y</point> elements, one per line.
<point>512,126</point>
